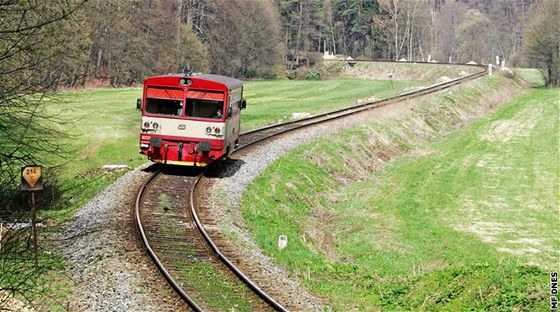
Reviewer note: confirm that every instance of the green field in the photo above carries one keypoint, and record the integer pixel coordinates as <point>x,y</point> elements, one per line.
<point>464,219</point>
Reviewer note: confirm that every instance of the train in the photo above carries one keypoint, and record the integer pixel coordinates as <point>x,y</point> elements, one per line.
<point>190,120</point>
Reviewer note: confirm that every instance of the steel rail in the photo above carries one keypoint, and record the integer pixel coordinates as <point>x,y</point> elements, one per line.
<point>244,278</point>
<point>374,104</point>
<point>261,293</point>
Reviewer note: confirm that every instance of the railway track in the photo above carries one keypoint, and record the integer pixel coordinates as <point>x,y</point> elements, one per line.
<point>189,253</point>
<point>171,233</point>
<point>254,136</point>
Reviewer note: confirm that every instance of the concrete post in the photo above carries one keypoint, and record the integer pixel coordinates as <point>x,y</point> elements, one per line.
<point>282,242</point>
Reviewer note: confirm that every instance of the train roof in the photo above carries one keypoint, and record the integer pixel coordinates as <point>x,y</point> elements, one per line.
<point>228,82</point>
<point>232,83</point>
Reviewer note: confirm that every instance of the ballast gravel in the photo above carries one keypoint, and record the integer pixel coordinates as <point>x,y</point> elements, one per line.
<point>106,261</point>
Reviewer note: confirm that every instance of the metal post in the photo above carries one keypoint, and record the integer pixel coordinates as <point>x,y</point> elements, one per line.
<point>34,228</point>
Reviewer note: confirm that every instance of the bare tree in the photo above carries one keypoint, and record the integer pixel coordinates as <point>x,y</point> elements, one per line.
<point>449,18</point>
<point>32,63</point>
<point>260,39</point>
<point>407,20</point>
<point>542,42</point>
<point>472,35</point>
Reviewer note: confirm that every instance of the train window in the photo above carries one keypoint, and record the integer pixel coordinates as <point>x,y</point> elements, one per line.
<point>164,106</point>
<point>202,108</point>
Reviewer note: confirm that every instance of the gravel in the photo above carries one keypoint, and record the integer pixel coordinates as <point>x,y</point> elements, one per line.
<point>106,260</point>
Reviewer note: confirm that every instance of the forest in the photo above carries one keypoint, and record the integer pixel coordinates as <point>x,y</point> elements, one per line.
<point>121,42</point>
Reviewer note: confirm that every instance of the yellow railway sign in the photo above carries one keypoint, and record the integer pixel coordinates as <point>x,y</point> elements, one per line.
<point>31,178</point>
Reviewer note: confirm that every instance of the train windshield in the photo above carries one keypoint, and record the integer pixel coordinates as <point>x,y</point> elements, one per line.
<point>164,101</point>
<point>164,106</point>
<point>204,104</point>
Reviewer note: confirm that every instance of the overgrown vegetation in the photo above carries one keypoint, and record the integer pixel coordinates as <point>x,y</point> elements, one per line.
<point>456,224</point>
<point>20,279</point>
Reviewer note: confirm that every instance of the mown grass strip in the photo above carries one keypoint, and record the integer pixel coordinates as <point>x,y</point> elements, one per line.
<point>457,224</point>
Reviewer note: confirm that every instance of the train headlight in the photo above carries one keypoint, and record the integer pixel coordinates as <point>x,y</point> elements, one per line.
<point>217,130</point>
<point>185,81</point>
<point>146,124</point>
<point>208,130</point>
<point>155,125</point>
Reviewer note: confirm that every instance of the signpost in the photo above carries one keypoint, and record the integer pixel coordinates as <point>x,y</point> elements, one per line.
<point>31,181</point>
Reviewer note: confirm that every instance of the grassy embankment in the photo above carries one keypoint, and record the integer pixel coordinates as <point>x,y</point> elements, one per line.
<point>464,219</point>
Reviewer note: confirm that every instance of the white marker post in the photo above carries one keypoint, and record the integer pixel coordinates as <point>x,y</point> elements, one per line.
<point>489,69</point>
<point>282,242</point>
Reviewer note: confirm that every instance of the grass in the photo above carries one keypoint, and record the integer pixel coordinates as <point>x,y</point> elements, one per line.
<point>274,101</point>
<point>532,75</point>
<point>455,224</point>
<point>214,288</point>
<point>104,123</point>
<point>102,128</point>
<point>44,286</point>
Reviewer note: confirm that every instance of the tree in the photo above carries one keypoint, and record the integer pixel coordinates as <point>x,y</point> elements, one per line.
<point>473,38</point>
<point>191,52</point>
<point>408,20</point>
<point>260,39</point>
<point>542,42</point>
<point>32,63</point>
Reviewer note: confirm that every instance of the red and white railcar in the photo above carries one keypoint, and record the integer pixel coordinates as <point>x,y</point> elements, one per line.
<point>179,121</point>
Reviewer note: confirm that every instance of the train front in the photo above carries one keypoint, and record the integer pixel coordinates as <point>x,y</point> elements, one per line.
<point>183,121</point>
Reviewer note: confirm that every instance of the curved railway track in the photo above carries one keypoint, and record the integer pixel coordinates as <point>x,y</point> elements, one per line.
<point>250,137</point>
<point>188,253</point>
<point>172,236</point>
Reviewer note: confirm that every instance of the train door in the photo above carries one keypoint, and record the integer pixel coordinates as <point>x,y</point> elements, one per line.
<point>233,119</point>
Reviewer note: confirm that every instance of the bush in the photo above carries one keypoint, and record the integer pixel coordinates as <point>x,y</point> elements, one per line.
<point>313,75</point>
